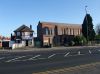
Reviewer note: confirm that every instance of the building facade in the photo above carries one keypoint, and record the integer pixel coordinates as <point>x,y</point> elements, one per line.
<point>23,36</point>
<point>4,41</point>
<point>50,33</point>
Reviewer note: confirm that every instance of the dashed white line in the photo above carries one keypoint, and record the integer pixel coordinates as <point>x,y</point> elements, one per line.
<point>51,55</point>
<point>34,57</point>
<point>39,58</point>
<point>15,59</point>
<point>98,50</point>
<point>79,53</point>
<point>66,54</point>
<point>90,52</point>
<point>29,59</point>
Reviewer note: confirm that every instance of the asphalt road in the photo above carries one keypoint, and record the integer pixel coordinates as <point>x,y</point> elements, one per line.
<point>30,61</point>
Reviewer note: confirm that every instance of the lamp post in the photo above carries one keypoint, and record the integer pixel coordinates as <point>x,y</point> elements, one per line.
<point>86,22</point>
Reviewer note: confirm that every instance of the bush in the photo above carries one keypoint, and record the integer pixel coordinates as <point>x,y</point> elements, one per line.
<point>71,43</point>
<point>97,37</point>
<point>80,40</point>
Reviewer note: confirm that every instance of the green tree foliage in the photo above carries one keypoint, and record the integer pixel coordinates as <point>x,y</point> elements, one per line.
<point>80,40</point>
<point>97,37</point>
<point>87,28</point>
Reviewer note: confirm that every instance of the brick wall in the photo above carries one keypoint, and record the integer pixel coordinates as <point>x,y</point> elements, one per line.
<point>46,31</point>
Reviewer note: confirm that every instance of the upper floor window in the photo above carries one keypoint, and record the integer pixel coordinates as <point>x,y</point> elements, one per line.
<point>27,33</point>
<point>51,31</point>
<point>46,31</point>
<point>64,31</point>
<point>31,33</point>
<point>18,34</point>
<point>70,32</point>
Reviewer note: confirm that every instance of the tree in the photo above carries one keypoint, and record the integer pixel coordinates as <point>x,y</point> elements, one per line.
<point>79,40</point>
<point>97,29</point>
<point>87,28</point>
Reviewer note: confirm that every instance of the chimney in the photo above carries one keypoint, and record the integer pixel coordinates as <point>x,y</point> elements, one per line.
<point>30,26</point>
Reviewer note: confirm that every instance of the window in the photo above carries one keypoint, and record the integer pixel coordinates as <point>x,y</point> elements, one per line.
<point>46,31</point>
<point>31,33</point>
<point>27,33</point>
<point>64,31</point>
<point>73,31</point>
<point>18,33</point>
<point>52,31</point>
<point>70,31</point>
<point>23,33</point>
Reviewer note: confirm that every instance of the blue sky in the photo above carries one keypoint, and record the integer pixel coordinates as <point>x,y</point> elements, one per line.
<point>14,13</point>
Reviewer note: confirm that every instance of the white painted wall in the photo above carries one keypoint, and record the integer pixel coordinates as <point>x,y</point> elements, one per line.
<point>11,43</point>
<point>16,45</point>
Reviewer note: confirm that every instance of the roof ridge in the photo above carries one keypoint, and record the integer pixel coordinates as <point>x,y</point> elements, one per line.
<point>22,27</point>
<point>59,23</point>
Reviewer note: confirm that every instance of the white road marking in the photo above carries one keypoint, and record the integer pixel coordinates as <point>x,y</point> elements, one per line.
<point>90,52</point>
<point>2,58</point>
<point>51,55</point>
<point>59,53</point>
<point>34,57</point>
<point>98,50</point>
<point>15,59</point>
<point>76,55</point>
<point>39,58</point>
<point>28,60</point>
<point>79,53</point>
<point>66,54</point>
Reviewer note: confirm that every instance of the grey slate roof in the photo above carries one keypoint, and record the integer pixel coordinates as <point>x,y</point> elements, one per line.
<point>23,28</point>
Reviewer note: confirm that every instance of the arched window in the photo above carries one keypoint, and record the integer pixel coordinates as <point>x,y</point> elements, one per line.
<point>51,31</point>
<point>46,31</point>
<point>64,31</point>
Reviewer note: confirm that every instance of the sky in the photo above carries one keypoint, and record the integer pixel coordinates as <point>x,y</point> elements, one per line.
<point>14,13</point>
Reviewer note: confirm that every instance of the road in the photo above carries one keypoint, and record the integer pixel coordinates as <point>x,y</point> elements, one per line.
<point>30,62</point>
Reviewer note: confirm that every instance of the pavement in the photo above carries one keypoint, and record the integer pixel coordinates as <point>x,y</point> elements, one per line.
<point>45,49</point>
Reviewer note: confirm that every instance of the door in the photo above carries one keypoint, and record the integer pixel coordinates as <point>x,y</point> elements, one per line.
<point>26,42</point>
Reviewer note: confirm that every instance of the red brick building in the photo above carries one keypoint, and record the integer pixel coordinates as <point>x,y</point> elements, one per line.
<point>50,33</point>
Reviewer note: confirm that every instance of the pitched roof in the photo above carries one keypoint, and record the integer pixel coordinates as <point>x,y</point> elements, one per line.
<point>64,24</point>
<point>23,28</point>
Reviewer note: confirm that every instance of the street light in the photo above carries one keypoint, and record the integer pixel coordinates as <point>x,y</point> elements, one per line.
<point>86,21</point>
